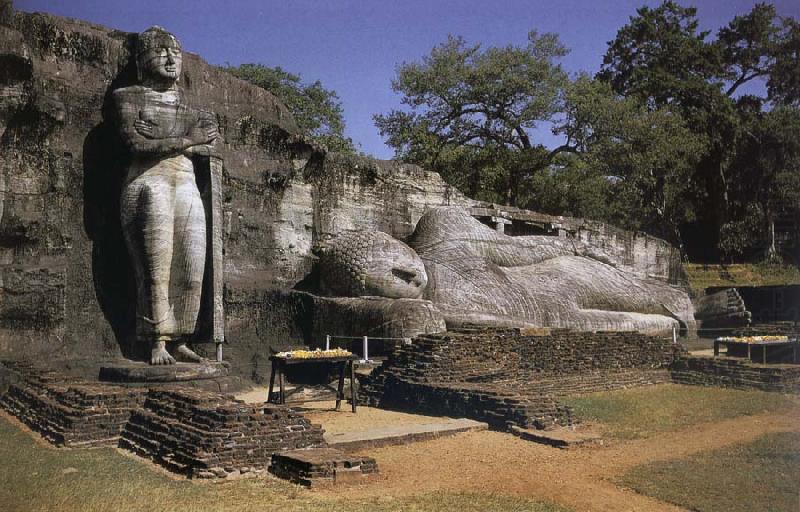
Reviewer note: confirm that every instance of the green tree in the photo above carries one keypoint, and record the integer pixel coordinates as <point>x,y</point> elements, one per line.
<point>466,104</point>
<point>662,60</point>
<point>767,167</point>
<point>317,110</point>
<point>645,157</point>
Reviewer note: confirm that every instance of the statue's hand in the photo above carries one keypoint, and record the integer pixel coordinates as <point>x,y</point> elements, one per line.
<point>212,133</point>
<point>145,128</point>
<point>204,134</point>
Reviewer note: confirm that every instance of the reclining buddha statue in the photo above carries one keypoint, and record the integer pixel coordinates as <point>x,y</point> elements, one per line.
<point>472,275</point>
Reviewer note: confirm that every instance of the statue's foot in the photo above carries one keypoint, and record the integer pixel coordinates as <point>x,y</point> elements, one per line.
<point>189,354</point>
<point>159,354</point>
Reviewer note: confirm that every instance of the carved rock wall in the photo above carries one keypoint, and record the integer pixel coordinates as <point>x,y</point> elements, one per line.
<point>66,287</point>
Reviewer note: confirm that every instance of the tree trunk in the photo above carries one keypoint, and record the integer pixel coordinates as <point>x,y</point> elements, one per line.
<point>772,252</point>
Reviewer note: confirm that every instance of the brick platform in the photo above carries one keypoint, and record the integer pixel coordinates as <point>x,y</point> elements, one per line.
<point>514,377</point>
<point>68,412</point>
<point>735,373</point>
<point>196,433</point>
<point>207,435</point>
<point>322,467</point>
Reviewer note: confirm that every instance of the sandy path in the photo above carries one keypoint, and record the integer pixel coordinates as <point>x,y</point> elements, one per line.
<point>493,462</point>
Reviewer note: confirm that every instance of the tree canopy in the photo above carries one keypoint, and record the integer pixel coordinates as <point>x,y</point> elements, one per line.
<point>661,59</point>
<point>317,110</point>
<point>669,137</point>
<point>466,105</point>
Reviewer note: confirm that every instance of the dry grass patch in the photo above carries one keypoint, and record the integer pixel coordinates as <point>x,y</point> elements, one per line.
<point>39,478</point>
<point>642,412</point>
<point>744,274</point>
<point>762,475</point>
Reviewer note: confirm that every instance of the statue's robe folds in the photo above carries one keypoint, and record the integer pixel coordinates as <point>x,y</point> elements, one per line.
<point>163,215</point>
<point>477,276</point>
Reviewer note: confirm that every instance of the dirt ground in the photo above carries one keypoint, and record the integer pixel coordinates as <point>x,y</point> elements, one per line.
<point>334,422</point>
<point>494,462</point>
<point>498,463</point>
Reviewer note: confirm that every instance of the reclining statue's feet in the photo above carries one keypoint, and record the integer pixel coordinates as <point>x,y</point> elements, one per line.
<point>159,354</point>
<point>189,354</point>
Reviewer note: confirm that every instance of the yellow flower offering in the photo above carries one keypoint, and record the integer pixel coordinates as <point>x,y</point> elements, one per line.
<point>315,354</point>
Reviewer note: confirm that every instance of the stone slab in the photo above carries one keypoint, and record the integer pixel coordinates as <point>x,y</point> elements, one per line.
<point>132,371</point>
<point>322,467</point>
<point>559,437</point>
<point>401,434</point>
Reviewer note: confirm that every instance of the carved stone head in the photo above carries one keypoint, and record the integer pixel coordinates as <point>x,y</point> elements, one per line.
<point>158,57</point>
<point>371,263</point>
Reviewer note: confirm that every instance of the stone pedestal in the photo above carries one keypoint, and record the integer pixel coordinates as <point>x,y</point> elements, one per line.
<point>136,372</point>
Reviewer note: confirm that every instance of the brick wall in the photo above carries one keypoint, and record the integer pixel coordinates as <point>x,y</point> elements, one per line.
<point>196,433</point>
<point>514,377</point>
<point>735,373</point>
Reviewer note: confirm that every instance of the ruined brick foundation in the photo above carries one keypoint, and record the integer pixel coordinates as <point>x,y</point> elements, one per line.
<point>735,373</point>
<point>514,377</point>
<point>195,433</point>
<point>66,411</point>
<point>322,467</point>
<point>207,435</point>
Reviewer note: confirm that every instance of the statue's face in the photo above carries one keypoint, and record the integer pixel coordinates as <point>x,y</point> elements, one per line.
<point>371,263</point>
<point>162,63</point>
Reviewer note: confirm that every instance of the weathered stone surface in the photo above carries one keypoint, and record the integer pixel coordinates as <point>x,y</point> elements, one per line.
<point>195,433</point>
<point>720,309</point>
<point>61,172</point>
<point>165,222</point>
<point>180,372</point>
<point>474,275</point>
<point>66,273</point>
<point>68,411</point>
<point>636,252</point>
<point>206,435</point>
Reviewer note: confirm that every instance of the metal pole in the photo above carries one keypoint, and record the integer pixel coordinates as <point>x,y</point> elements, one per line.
<point>366,354</point>
<point>327,342</point>
<point>674,335</point>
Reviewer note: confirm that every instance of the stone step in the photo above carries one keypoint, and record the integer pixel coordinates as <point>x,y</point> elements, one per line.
<point>401,434</point>
<point>315,467</point>
<point>559,437</point>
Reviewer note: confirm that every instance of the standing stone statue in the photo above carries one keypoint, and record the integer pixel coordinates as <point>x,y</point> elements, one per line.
<point>163,215</point>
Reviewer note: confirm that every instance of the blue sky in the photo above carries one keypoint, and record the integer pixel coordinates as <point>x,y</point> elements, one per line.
<point>354,46</point>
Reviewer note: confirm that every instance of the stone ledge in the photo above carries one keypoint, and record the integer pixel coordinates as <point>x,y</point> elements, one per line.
<point>403,434</point>
<point>735,373</point>
<point>131,372</point>
<point>322,467</point>
<point>558,438</point>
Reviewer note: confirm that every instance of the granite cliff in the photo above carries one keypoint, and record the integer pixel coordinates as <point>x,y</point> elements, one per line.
<point>65,279</point>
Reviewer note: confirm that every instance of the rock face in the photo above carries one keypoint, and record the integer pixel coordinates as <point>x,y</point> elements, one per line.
<point>66,281</point>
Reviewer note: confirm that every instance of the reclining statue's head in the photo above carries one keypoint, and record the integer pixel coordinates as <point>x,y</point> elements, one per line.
<point>371,263</point>
<point>158,57</point>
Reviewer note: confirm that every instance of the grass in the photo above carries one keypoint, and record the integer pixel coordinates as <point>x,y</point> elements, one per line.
<point>762,475</point>
<point>641,412</point>
<point>40,478</point>
<point>746,274</point>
